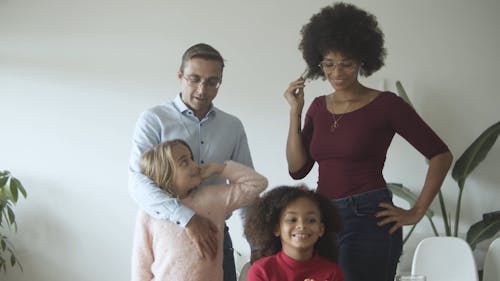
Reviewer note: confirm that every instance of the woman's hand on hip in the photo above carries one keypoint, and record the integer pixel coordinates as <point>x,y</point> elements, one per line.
<point>397,216</point>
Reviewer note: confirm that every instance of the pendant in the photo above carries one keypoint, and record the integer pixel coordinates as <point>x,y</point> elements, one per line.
<point>334,126</point>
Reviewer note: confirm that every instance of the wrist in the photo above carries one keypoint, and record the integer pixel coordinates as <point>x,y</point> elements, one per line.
<point>296,112</point>
<point>221,167</point>
<point>419,210</point>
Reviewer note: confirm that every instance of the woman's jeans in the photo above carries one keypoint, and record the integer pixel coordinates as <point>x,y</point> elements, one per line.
<point>367,252</point>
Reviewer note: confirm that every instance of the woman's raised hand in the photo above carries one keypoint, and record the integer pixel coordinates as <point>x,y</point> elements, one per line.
<point>294,94</point>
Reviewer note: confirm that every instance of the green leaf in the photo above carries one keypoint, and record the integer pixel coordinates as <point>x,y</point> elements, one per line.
<point>3,195</point>
<point>20,187</point>
<point>4,173</point>
<point>405,193</point>
<point>3,181</point>
<point>402,93</point>
<point>12,216</point>
<point>3,244</point>
<point>475,154</point>
<point>13,189</point>
<point>483,230</point>
<point>12,260</point>
<point>2,264</point>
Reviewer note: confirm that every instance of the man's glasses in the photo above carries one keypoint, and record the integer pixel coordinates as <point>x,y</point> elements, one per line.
<point>329,66</point>
<point>196,82</point>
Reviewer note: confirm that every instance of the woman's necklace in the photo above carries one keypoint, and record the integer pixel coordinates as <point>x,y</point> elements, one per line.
<point>336,121</point>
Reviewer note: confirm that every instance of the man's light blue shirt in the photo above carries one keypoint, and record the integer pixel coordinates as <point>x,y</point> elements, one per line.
<point>218,137</point>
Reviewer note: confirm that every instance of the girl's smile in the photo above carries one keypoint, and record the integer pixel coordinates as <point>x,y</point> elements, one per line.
<point>299,228</point>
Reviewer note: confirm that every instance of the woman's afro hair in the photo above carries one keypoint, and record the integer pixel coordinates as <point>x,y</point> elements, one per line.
<point>346,29</point>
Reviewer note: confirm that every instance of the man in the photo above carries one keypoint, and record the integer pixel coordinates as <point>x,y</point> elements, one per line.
<point>212,134</point>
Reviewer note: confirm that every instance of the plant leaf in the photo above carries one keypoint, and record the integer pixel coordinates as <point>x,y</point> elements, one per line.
<point>474,154</point>
<point>20,187</point>
<point>2,264</point>
<point>3,181</point>
<point>12,216</point>
<point>13,189</point>
<point>402,93</point>
<point>405,193</point>
<point>3,195</point>
<point>12,260</point>
<point>483,230</point>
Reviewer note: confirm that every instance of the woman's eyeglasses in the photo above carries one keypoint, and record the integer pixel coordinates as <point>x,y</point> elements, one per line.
<point>329,66</point>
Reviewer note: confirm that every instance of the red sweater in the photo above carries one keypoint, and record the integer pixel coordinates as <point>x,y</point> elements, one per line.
<point>352,157</point>
<point>281,267</point>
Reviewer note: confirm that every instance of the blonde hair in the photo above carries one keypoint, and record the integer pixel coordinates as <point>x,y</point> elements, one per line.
<point>158,163</point>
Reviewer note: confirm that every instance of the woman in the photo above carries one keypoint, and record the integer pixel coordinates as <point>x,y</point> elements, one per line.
<point>348,132</point>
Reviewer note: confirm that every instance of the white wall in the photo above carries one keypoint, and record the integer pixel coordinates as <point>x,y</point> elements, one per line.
<point>74,75</point>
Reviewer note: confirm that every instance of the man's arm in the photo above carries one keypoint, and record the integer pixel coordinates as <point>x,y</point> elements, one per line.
<point>151,198</point>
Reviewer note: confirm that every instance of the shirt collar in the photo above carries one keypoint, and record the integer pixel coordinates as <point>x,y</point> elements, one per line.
<point>182,107</point>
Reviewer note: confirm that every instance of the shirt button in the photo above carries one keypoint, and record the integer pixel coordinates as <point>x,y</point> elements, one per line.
<point>157,212</point>
<point>178,222</point>
<point>202,161</point>
<point>202,142</point>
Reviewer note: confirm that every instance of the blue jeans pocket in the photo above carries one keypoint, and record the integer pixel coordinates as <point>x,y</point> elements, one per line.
<point>367,251</point>
<point>366,210</point>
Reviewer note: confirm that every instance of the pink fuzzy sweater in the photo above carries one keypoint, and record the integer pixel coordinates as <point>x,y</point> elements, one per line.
<point>162,251</point>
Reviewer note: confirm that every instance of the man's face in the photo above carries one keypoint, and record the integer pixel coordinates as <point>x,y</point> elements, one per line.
<point>200,80</point>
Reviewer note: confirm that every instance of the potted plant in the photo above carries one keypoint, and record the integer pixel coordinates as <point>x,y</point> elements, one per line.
<point>10,188</point>
<point>489,226</point>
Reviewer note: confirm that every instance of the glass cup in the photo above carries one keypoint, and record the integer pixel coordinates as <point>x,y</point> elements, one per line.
<point>409,277</point>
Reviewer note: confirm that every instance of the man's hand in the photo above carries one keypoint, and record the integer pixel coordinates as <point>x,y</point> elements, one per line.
<point>203,234</point>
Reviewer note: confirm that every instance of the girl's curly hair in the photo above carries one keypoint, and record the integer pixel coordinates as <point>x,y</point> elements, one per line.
<point>346,29</point>
<point>263,217</point>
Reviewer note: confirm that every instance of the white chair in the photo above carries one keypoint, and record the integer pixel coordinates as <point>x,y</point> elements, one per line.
<point>244,271</point>
<point>444,259</point>
<point>491,269</point>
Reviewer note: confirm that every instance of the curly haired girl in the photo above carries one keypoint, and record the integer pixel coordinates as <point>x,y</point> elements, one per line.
<point>293,232</point>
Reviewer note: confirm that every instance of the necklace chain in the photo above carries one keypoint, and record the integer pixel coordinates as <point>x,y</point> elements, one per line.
<point>336,121</point>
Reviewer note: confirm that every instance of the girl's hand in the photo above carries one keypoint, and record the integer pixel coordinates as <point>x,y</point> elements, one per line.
<point>209,169</point>
<point>398,216</point>
<point>294,94</point>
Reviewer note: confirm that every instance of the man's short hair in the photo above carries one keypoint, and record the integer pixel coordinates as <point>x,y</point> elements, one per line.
<point>201,50</point>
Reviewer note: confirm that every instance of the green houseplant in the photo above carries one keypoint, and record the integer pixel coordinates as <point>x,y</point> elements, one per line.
<point>10,188</point>
<point>489,226</point>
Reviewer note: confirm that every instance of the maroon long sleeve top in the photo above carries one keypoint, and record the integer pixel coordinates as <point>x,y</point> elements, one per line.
<point>351,158</point>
